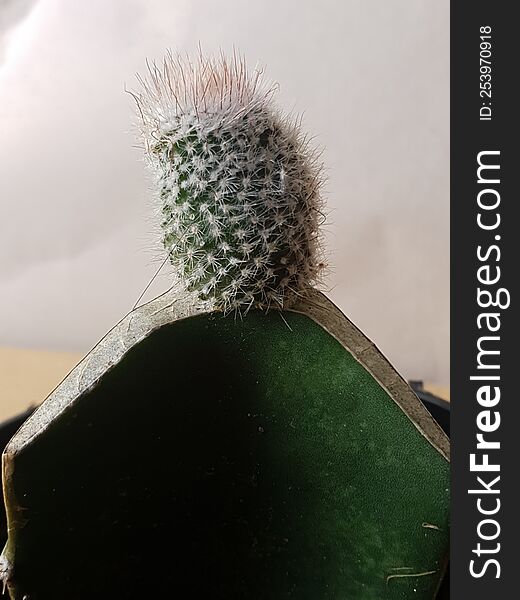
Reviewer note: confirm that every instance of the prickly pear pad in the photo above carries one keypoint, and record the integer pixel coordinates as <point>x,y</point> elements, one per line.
<point>229,458</point>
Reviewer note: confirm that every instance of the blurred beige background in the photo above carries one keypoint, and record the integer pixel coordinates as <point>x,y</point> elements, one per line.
<point>372,78</point>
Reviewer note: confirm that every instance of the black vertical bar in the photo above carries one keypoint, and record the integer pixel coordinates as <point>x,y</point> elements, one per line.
<point>485,124</point>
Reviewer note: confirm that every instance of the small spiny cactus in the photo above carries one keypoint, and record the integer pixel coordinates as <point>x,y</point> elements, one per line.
<point>238,184</point>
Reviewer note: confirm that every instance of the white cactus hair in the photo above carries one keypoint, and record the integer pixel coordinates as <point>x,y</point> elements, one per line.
<point>238,184</point>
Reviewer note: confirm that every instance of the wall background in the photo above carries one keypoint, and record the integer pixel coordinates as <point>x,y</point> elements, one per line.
<point>372,79</point>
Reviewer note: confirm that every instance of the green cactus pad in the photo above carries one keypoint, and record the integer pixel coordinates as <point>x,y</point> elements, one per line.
<point>228,458</point>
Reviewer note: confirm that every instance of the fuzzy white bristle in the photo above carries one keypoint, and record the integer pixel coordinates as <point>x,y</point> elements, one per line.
<point>237,183</point>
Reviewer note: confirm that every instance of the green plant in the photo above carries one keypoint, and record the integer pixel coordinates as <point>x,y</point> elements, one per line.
<point>238,184</point>
<point>193,454</point>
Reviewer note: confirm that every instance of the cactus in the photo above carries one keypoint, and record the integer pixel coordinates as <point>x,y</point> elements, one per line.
<point>238,184</point>
<point>194,454</point>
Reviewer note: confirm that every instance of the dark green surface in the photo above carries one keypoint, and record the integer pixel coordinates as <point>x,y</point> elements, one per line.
<point>227,459</point>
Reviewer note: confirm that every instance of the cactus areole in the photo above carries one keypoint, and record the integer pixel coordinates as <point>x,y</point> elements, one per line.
<point>194,454</point>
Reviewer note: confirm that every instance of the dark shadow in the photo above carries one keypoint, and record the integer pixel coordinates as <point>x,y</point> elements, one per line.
<point>160,484</point>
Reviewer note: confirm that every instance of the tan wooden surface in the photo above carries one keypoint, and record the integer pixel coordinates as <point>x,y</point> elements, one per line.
<point>28,376</point>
